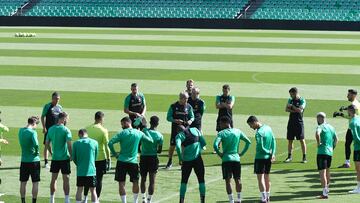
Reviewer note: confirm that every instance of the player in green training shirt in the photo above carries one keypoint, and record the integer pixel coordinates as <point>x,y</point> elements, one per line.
<point>355,130</point>
<point>189,143</point>
<point>84,153</point>
<point>230,139</point>
<point>127,162</point>
<point>30,159</point>
<point>97,132</point>
<point>58,142</point>
<point>326,141</point>
<point>49,118</point>
<point>149,162</point>
<point>265,154</point>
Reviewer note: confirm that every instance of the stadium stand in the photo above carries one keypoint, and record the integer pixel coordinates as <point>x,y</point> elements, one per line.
<point>218,9</point>
<point>9,7</point>
<point>325,10</point>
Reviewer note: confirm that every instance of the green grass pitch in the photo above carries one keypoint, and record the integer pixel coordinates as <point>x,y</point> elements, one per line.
<point>93,69</point>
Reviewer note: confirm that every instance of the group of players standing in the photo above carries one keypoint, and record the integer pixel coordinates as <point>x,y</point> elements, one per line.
<point>91,153</point>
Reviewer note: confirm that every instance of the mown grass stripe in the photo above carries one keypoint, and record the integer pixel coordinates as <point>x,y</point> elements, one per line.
<point>178,65</point>
<point>185,57</point>
<point>168,87</point>
<point>182,75</point>
<point>189,33</point>
<point>138,36</point>
<point>313,46</point>
<point>179,50</point>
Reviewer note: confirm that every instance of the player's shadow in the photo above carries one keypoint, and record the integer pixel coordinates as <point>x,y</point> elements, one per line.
<point>300,195</point>
<point>9,168</point>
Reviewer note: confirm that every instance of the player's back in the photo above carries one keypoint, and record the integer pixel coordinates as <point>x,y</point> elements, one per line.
<point>58,135</point>
<point>86,150</point>
<point>29,145</point>
<point>99,134</point>
<point>148,148</point>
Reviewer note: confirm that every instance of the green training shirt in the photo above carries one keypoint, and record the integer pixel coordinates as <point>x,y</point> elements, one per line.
<point>354,126</point>
<point>230,140</point>
<point>327,136</point>
<point>84,153</point>
<point>129,142</point>
<point>101,135</point>
<point>58,136</point>
<point>29,145</point>
<point>148,148</point>
<point>265,143</point>
<point>189,144</point>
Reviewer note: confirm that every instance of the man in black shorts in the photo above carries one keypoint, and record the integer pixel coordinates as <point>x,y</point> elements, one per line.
<point>265,154</point>
<point>58,142</point>
<point>84,153</point>
<point>295,128</point>
<point>30,159</point>
<point>179,113</point>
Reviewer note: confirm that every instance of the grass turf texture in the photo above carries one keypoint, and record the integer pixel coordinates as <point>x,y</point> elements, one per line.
<point>30,72</point>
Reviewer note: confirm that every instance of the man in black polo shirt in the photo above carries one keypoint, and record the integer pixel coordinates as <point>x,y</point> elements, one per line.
<point>180,113</point>
<point>135,106</point>
<point>49,118</point>
<point>224,103</point>
<point>198,106</point>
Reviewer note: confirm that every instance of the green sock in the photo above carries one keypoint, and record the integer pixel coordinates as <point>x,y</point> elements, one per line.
<point>202,189</point>
<point>183,189</point>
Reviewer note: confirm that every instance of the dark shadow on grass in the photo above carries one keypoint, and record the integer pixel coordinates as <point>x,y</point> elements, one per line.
<point>9,168</point>
<point>300,195</point>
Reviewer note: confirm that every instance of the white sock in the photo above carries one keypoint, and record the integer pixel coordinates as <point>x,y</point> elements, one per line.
<point>143,196</point>
<point>263,196</point>
<point>136,197</point>
<point>268,195</point>
<point>149,197</point>
<point>325,192</point>
<point>123,198</point>
<point>78,201</point>
<point>231,199</point>
<point>67,199</point>
<point>347,161</point>
<point>52,198</point>
<point>239,196</point>
<point>85,199</point>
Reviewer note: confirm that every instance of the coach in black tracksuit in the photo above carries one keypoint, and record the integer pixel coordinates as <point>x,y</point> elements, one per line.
<point>198,106</point>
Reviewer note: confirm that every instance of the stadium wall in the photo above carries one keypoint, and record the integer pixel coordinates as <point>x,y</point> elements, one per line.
<point>179,23</point>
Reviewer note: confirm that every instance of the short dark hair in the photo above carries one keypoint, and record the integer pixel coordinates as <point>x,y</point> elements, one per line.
<point>351,108</point>
<point>134,84</point>
<point>55,94</point>
<point>33,120</point>
<point>252,119</point>
<point>293,90</point>
<point>226,86</point>
<point>126,119</point>
<point>62,115</point>
<point>352,91</point>
<point>99,115</point>
<point>154,121</point>
<point>225,120</point>
<point>82,132</point>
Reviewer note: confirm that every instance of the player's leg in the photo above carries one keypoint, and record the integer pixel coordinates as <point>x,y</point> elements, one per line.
<point>348,141</point>
<point>200,174</point>
<point>290,148</point>
<point>236,171</point>
<point>303,149</point>
<point>120,177</point>
<point>86,192</point>
<point>100,171</point>
<point>94,197</point>
<point>35,191</point>
<point>54,177</point>
<point>133,171</point>
<point>122,191</point>
<point>185,174</point>
<point>66,186</point>
<point>151,188</point>
<point>23,191</point>
<point>267,186</point>
<point>261,185</point>
<point>171,153</point>
<point>227,174</point>
<point>46,154</point>
<point>79,192</point>
<point>143,174</point>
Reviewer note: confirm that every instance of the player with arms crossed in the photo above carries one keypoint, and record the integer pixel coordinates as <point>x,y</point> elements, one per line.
<point>135,105</point>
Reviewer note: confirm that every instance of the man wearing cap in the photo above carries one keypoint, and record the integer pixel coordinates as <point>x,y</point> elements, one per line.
<point>326,141</point>
<point>135,105</point>
<point>351,96</point>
